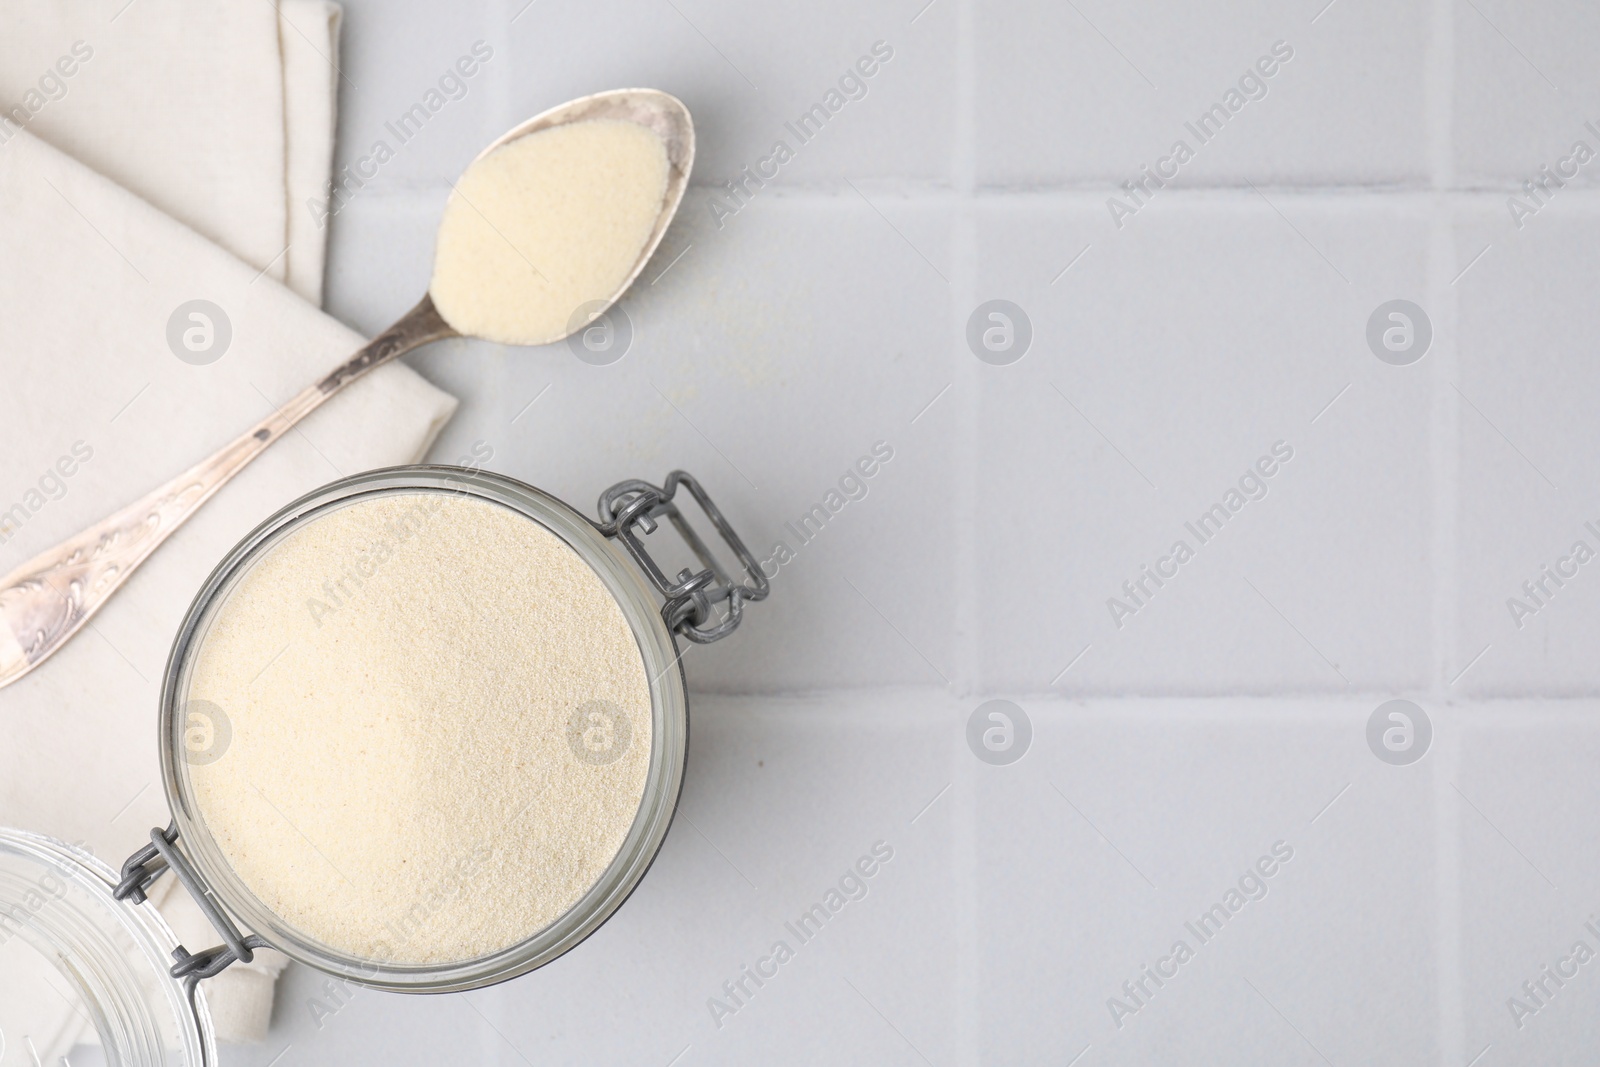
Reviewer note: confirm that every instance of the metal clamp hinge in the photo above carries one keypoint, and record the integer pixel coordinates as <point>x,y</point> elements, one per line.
<point>690,601</point>
<point>140,872</point>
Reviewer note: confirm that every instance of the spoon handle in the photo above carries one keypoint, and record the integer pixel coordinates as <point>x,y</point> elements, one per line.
<point>47,599</point>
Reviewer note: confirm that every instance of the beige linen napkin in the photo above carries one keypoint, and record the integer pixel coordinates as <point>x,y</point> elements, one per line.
<point>222,117</point>
<point>219,114</point>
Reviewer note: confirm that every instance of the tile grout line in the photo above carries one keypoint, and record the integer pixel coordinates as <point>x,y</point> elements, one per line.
<point>962,296</point>
<point>1445,464</point>
<point>963,281</point>
<point>1089,192</point>
<point>1440,296</point>
<point>1447,870</point>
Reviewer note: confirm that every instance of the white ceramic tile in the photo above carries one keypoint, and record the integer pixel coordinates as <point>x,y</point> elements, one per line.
<point>747,70</point>
<point>1090,92</point>
<point>1528,479</point>
<point>1525,798</point>
<point>392,63</point>
<point>380,256</point>
<point>819,783</point>
<point>1524,88</point>
<point>1097,848</point>
<point>362,1026</point>
<point>1174,355</point>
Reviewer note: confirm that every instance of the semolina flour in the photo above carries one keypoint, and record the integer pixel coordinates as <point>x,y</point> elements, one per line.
<point>545,225</point>
<point>440,728</point>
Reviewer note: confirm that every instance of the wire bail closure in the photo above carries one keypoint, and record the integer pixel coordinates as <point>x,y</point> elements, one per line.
<point>150,863</point>
<point>691,599</point>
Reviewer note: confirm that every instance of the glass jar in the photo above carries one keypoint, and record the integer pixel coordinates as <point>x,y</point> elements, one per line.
<point>102,965</point>
<point>699,606</point>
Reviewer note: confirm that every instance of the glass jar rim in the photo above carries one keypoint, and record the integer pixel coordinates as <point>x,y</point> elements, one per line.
<point>664,780</point>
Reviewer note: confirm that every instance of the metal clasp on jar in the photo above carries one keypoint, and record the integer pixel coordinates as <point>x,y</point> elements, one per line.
<point>691,600</point>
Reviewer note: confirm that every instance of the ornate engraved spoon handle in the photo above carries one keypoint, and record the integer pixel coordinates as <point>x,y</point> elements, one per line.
<point>47,599</point>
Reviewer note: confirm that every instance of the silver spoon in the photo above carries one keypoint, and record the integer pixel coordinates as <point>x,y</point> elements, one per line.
<point>47,599</point>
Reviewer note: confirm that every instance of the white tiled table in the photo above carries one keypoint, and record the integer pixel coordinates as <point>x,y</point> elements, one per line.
<point>1229,713</point>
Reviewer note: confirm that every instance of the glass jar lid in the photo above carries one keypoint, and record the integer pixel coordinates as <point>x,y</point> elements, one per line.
<point>80,967</point>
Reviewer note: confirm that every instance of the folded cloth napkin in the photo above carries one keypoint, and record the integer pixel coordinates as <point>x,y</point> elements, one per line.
<point>219,114</point>
<point>220,118</point>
